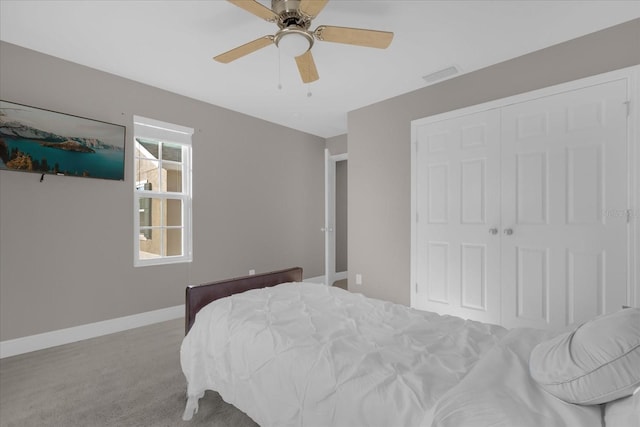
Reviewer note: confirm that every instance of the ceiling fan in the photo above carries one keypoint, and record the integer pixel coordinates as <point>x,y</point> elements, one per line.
<point>295,39</point>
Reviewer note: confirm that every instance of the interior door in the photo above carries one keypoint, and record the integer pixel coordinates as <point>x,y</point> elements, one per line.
<point>564,182</point>
<point>329,228</point>
<point>458,216</point>
<point>329,219</point>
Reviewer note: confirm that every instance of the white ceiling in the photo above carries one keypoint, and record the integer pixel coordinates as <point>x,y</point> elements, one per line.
<point>170,45</point>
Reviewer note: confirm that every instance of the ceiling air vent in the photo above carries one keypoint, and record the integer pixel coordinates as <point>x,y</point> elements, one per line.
<point>441,75</point>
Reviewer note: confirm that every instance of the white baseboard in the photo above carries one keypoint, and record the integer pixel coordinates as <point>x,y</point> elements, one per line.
<point>320,279</point>
<point>30,343</point>
<point>91,330</point>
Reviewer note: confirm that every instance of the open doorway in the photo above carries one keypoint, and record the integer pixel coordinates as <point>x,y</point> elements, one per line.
<point>335,228</point>
<point>341,224</point>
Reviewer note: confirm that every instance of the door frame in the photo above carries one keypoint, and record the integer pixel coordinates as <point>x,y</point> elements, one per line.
<point>330,214</point>
<point>632,76</point>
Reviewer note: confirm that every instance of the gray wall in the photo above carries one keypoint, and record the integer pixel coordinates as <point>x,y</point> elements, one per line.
<point>66,244</point>
<point>379,146</point>
<point>337,145</point>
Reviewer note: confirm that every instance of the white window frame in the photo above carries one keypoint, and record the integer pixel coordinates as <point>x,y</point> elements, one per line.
<point>174,134</point>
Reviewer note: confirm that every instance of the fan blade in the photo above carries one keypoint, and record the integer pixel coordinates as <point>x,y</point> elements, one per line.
<point>312,7</point>
<point>243,50</point>
<point>355,36</point>
<point>307,67</point>
<point>256,8</point>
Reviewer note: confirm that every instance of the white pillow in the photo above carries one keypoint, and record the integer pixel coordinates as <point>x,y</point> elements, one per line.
<point>596,363</point>
<point>623,412</point>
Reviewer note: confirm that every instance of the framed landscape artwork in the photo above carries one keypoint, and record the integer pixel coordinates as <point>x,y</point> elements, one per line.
<point>47,142</point>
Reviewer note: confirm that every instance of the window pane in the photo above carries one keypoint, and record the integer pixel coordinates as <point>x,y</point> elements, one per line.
<point>157,214</point>
<point>146,234</point>
<point>172,152</point>
<point>147,148</point>
<point>173,209</point>
<point>143,186</point>
<point>173,177</point>
<point>145,218</point>
<point>147,172</point>
<point>174,241</point>
<point>150,247</point>
<point>151,212</point>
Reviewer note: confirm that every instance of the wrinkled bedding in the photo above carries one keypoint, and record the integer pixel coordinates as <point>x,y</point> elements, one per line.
<point>499,391</point>
<point>301,354</point>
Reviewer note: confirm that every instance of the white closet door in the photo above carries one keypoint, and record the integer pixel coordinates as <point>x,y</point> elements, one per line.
<point>564,182</point>
<point>458,208</point>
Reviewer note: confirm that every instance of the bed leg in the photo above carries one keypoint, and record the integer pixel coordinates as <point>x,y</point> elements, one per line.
<point>191,408</point>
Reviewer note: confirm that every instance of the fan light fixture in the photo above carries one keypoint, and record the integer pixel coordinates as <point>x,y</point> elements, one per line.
<point>294,38</point>
<point>293,41</point>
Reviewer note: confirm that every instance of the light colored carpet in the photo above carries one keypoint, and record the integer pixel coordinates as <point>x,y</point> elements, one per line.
<point>131,378</point>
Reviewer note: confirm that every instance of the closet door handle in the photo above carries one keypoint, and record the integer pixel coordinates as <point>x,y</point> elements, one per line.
<point>508,231</point>
<point>493,231</point>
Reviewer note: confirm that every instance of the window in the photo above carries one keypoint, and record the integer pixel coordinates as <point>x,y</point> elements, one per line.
<point>162,192</point>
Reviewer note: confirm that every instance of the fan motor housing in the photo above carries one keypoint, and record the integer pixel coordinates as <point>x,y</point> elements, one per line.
<point>279,6</point>
<point>289,14</point>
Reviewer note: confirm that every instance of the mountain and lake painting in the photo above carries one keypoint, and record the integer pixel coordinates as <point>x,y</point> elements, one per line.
<point>43,141</point>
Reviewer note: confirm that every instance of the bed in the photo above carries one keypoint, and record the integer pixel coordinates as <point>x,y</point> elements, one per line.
<point>289,353</point>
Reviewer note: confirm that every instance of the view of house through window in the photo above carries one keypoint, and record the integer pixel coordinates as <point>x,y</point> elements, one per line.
<point>162,192</point>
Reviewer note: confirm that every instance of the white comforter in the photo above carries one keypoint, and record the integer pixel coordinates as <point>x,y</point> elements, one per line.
<point>303,354</point>
<point>499,392</point>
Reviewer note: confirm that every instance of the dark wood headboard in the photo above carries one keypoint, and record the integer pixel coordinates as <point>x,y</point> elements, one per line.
<point>197,296</point>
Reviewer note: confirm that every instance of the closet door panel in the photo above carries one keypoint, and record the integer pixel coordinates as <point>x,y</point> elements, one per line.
<point>532,188</point>
<point>458,203</point>
<point>532,284</point>
<point>564,169</point>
